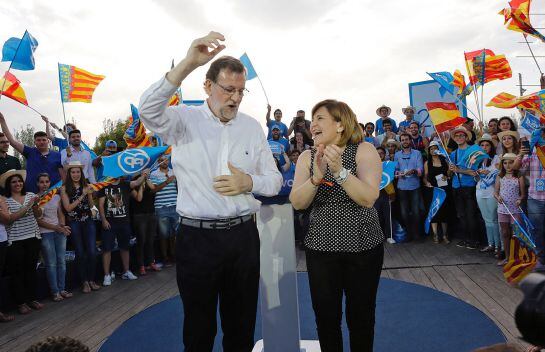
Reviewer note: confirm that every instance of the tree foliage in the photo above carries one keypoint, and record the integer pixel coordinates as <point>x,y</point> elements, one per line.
<point>114,130</point>
<point>26,136</point>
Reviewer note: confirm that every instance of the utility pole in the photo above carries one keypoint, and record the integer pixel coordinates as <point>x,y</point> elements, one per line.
<point>522,90</point>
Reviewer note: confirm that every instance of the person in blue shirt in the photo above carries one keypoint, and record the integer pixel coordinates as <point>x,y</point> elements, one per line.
<point>384,113</point>
<point>39,159</point>
<point>464,187</point>
<point>58,143</point>
<point>409,170</point>
<point>409,117</point>
<point>368,130</point>
<point>277,137</point>
<point>277,122</point>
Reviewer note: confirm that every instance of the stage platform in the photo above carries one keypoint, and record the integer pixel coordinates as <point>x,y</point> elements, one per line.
<point>466,274</point>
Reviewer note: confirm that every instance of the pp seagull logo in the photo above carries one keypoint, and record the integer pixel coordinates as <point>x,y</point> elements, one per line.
<point>133,161</point>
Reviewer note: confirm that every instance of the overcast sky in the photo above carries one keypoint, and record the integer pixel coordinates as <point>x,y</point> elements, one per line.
<point>362,52</point>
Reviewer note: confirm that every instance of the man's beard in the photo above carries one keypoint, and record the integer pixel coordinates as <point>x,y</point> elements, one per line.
<point>227,113</point>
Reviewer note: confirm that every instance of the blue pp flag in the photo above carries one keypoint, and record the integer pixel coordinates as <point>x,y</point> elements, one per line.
<point>472,157</point>
<point>131,161</point>
<point>388,171</point>
<point>439,196</point>
<point>20,52</point>
<point>251,74</point>
<point>530,123</point>
<point>445,80</point>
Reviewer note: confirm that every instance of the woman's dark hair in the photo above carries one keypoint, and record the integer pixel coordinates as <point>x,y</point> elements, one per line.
<point>442,159</point>
<point>491,153</point>
<point>69,183</point>
<point>493,120</point>
<point>225,62</point>
<point>513,127</point>
<point>381,148</point>
<point>503,171</point>
<point>7,190</point>
<point>369,123</point>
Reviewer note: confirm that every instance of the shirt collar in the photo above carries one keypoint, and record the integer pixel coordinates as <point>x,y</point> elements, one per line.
<point>206,109</point>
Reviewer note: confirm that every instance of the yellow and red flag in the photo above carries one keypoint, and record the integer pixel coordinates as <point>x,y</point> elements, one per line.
<point>444,116</point>
<point>459,82</point>
<point>517,18</point>
<point>521,261</point>
<point>77,85</point>
<point>12,88</point>
<point>97,186</point>
<point>507,101</point>
<point>490,68</point>
<point>135,136</point>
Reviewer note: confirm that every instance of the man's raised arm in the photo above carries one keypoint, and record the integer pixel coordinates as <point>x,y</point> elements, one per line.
<point>153,103</point>
<point>18,146</point>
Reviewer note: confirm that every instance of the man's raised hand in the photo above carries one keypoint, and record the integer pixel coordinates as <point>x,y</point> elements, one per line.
<point>204,49</point>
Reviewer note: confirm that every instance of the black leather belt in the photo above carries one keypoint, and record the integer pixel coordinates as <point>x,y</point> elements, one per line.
<point>219,224</point>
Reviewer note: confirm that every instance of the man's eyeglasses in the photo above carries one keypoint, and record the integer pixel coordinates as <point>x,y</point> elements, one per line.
<point>231,91</point>
<point>4,142</point>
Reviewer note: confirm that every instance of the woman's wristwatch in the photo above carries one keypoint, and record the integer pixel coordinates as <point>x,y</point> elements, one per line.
<point>343,176</point>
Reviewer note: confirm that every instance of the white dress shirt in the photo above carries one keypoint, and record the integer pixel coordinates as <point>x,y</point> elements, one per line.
<point>84,157</point>
<point>201,148</point>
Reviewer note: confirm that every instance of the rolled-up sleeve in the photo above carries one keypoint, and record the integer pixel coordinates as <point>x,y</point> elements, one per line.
<point>267,180</point>
<point>165,121</point>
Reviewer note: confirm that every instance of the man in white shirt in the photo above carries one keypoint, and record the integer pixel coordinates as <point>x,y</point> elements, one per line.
<point>75,152</point>
<point>221,157</point>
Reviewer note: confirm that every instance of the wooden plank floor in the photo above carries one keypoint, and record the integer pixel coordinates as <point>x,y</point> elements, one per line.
<point>466,274</point>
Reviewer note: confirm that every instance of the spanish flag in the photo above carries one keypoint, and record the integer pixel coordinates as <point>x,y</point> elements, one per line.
<point>444,116</point>
<point>12,88</point>
<point>77,85</point>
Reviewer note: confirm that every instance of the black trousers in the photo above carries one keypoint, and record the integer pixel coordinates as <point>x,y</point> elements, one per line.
<point>21,261</point>
<point>222,265</point>
<point>467,211</point>
<point>357,276</point>
<point>145,227</point>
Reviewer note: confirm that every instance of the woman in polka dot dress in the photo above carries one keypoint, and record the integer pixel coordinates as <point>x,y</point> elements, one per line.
<point>509,191</point>
<point>339,180</point>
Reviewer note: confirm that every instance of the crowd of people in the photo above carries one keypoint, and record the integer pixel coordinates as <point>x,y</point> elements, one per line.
<point>331,177</point>
<point>482,202</point>
<point>77,216</point>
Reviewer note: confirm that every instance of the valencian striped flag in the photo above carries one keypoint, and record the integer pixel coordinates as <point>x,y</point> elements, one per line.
<point>517,18</point>
<point>176,99</point>
<point>97,186</point>
<point>12,88</point>
<point>77,85</point>
<point>534,101</point>
<point>473,78</point>
<point>539,143</point>
<point>135,135</point>
<point>459,83</point>
<point>444,116</point>
<point>49,194</point>
<point>522,253</point>
<point>490,68</point>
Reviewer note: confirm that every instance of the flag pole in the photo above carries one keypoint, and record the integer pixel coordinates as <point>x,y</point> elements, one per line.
<point>11,63</point>
<point>264,92</point>
<point>482,85</point>
<point>442,143</point>
<point>474,86</point>
<point>60,90</point>
<point>532,53</point>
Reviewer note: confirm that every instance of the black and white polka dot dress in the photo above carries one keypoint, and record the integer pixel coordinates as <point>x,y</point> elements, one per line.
<point>337,223</point>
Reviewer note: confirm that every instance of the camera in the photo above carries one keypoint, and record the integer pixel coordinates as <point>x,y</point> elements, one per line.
<point>530,313</point>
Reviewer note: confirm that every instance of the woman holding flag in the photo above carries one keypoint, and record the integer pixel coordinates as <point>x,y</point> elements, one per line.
<point>344,245</point>
<point>77,200</point>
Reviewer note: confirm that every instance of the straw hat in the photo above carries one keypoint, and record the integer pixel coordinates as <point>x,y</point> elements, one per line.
<point>384,107</point>
<point>72,165</point>
<point>508,156</point>
<point>393,141</point>
<point>10,173</point>
<point>460,129</point>
<point>513,134</point>
<point>403,110</point>
<point>486,138</point>
<point>434,144</point>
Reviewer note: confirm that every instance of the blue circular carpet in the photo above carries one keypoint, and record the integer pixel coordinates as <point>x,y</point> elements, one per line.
<point>409,317</point>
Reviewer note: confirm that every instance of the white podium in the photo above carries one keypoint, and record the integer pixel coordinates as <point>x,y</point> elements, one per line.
<point>278,283</point>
